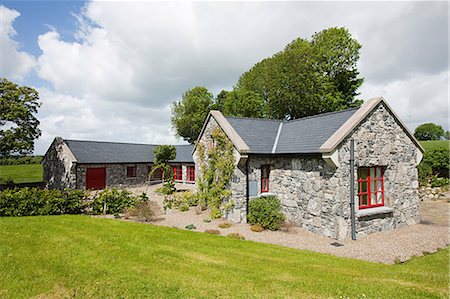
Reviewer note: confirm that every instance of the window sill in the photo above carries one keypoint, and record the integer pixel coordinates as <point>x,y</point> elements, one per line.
<point>374,211</point>
<point>266,194</point>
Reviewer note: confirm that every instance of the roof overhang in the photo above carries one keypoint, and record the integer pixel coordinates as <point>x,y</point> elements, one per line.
<point>231,133</point>
<point>333,142</point>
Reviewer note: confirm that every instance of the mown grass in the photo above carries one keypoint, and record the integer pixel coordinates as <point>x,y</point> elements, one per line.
<point>80,256</point>
<point>22,173</point>
<point>430,145</point>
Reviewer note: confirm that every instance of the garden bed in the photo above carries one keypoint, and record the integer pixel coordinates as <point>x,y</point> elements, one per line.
<point>386,247</point>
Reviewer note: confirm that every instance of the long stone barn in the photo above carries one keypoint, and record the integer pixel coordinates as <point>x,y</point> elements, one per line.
<point>307,162</point>
<point>96,165</point>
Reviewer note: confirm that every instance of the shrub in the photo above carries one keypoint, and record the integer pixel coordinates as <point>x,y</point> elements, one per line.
<point>287,226</point>
<point>17,160</point>
<point>256,228</point>
<point>435,164</point>
<point>212,231</point>
<point>184,200</point>
<point>116,201</point>
<point>190,226</point>
<point>225,225</point>
<point>33,201</point>
<point>236,236</point>
<point>166,189</point>
<point>266,211</point>
<point>440,182</point>
<point>145,211</point>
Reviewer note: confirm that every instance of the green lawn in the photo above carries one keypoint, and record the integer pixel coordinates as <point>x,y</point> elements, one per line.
<point>434,144</point>
<point>22,173</point>
<point>80,256</point>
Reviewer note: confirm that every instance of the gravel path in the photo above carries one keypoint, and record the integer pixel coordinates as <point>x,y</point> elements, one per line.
<point>385,247</point>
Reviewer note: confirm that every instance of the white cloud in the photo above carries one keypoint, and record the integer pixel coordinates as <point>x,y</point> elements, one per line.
<point>420,99</point>
<point>14,64</point>
<point>130,60</point>
<point>91,118</point>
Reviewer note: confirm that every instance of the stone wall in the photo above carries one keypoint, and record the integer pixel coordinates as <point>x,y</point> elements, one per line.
<point>381,141</point>
<point>307,188</point>
<point>116,174</point>
<point>433,193</point>
<point>58,166</point>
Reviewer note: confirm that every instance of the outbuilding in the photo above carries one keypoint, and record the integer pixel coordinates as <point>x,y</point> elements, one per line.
<point>80,164</point>
<point>307,163</point>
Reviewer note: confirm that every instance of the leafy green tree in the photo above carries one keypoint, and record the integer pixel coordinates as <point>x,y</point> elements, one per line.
<point>162,155</point>
<point>18,125</point>
<point>447,135</point>
<point>243,103</point>
<point>337,54</point>
<point>219,101</point>
<point>308,77</point>
<point>189,114</point>
<point>429,131</point>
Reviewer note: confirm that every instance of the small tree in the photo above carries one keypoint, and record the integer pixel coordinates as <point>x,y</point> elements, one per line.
<point>162,155</point>
<point>429,131</point>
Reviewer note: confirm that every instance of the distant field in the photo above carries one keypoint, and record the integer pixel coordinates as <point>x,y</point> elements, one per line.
<point>24,173</point>
<point>434,144</point>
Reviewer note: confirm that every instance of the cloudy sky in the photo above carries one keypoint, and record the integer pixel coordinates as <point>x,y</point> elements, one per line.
<point>110,70</point>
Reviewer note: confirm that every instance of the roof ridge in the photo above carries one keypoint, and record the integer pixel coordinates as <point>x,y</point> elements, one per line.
<point>320,114</point>
<point>255,118</point>
<point>118,142</point>
<point>287,121</point>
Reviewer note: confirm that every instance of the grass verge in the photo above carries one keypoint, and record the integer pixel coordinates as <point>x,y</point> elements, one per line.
<point>22,173</point>
<point>80,256</point>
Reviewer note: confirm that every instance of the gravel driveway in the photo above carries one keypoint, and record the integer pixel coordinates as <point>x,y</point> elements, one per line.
<point>384,247</point>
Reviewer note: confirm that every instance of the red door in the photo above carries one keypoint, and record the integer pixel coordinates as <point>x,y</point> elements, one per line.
<point>96,178</point>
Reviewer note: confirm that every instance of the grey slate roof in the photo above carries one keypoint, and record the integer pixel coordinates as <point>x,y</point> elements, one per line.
<point>259,134</point>
<point>116,152</point>
<point>300,136</point>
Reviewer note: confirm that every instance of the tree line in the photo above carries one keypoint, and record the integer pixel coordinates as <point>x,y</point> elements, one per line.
<point>307,77</point>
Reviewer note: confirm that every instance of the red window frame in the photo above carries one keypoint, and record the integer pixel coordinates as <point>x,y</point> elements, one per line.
<point>131,171</point>
<point>371,187</point>
<point>191,173</point>
<point>265,171</point>
<point>177,173</point>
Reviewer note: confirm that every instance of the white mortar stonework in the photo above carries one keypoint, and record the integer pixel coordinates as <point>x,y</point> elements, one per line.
<point>316,196</point>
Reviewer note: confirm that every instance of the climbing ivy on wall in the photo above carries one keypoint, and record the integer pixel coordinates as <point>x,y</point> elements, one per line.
<point>216,167</point>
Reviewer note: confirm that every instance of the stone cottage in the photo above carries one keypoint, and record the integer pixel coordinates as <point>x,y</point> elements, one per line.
<point>81,164</point>
<point>306,163</point>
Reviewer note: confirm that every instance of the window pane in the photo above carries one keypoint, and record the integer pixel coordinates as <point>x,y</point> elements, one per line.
<point>363,200</point>
<point>380,198</point>
<point>372,172</point>
<point>363,186</point>
<point>378,172</point>
<point>373,199</point>
<point>362,173</point>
